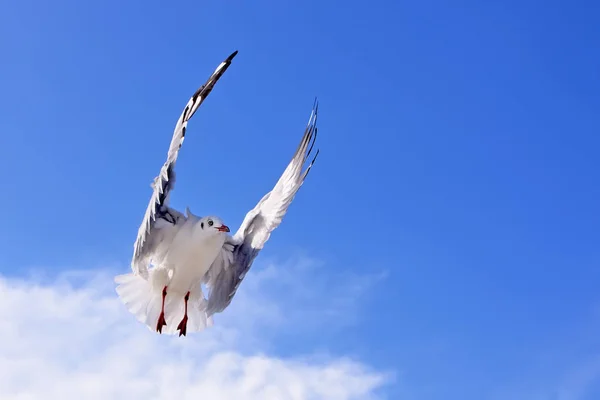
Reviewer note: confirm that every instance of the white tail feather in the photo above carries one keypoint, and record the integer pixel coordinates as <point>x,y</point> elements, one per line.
<point>143,299</point>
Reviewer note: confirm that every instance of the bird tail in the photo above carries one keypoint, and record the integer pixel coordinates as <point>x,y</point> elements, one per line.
<point>143,299</point>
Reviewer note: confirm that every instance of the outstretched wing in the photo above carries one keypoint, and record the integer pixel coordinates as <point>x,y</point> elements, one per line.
<point>238,253</point>
<point>163,184</point>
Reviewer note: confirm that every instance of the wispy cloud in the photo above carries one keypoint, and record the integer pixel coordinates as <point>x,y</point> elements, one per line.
<point>69,337</point>
<point>302,292</point>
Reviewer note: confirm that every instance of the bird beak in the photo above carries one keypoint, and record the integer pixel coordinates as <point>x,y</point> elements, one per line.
<point>223,228</point>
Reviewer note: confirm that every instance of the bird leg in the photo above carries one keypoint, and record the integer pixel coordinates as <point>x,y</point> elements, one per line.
<point>183,324</point>
<point>161,318</point>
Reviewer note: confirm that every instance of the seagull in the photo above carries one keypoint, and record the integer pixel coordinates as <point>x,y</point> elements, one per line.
<point>175,253</point>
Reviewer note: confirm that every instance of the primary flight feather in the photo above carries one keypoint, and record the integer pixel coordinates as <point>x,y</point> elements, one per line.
<point>175,253</point>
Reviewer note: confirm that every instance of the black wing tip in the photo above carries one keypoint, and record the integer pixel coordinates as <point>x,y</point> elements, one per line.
<point>315,111</point>
<point>231,56</point>
<point>315,157</point>
<point>307,170</point>
<point>315,107</point>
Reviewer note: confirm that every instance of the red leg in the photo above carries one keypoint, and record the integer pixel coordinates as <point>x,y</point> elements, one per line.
<point>161,318</point>
<point>183,324</point>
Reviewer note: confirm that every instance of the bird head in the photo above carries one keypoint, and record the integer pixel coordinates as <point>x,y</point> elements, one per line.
<point>212,224</point>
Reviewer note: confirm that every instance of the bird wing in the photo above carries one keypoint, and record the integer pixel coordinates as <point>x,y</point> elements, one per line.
<point>163,184</point>
<point>236,257</point>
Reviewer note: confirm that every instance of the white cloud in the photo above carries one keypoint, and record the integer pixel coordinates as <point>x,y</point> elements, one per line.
<point>70,338</point>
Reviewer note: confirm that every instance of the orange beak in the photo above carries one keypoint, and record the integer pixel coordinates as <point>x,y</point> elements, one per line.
<point>223,228</point>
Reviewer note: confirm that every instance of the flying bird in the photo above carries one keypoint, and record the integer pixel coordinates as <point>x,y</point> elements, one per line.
<point>176,253</point>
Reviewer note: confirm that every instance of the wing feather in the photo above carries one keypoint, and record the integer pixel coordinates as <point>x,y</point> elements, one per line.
<point>238,253</point>
<point>165,181</point>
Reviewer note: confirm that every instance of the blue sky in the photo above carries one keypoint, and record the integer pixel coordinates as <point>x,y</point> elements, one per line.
<point>456,185</point>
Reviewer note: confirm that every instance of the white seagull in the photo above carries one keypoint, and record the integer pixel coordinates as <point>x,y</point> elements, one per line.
<point>185,251</point>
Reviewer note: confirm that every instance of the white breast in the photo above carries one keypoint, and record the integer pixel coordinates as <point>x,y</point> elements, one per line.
<point>189,257</point>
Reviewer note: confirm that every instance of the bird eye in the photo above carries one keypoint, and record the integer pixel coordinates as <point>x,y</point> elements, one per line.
<point>210,222</point>
<point>202,225</point>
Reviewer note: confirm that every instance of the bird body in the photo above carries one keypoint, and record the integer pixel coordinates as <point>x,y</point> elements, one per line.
<point>189,256</point>
<point>176,253</point>
<point>180,265</point>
